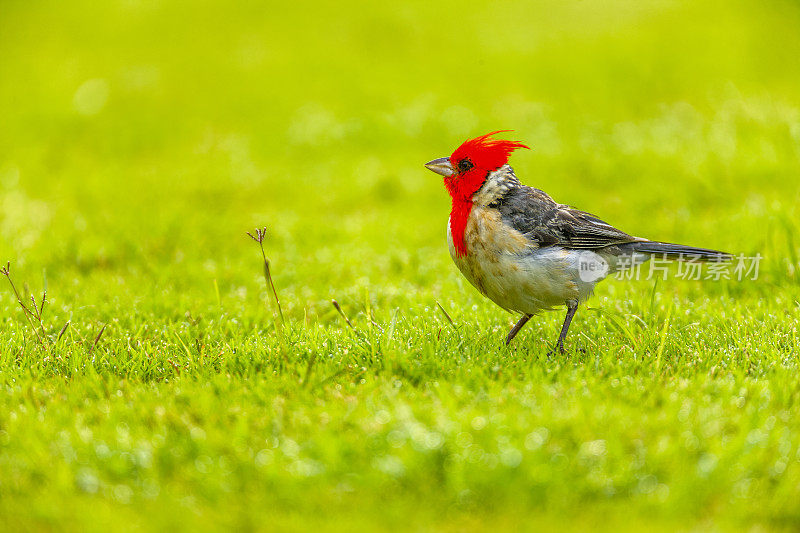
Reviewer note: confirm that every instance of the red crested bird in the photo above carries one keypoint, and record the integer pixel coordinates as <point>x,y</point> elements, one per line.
<point>524,251</point>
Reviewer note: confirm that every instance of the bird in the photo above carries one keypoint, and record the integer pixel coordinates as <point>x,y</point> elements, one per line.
<point>523,250</point>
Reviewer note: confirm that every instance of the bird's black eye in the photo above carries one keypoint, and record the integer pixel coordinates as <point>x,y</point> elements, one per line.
<point>464,165</point>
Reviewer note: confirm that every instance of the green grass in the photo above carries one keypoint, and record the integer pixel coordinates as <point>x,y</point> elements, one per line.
<point>140,140</point>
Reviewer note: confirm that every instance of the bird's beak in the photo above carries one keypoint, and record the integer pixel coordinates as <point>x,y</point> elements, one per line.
<point>441,166</point>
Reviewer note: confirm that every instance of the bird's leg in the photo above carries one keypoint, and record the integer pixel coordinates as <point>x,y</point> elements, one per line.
<point>571,308</point>
<point>518,326</point>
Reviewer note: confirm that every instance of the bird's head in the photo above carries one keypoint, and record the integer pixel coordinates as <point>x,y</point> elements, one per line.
<point>466,170</point>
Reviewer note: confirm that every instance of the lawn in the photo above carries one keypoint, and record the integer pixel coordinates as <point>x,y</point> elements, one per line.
<point>141,139</point>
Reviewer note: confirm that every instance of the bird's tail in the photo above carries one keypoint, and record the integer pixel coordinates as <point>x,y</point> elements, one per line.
<point>678,251</point>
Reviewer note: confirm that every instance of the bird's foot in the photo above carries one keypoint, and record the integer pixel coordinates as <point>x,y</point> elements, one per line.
<point>559,349</point>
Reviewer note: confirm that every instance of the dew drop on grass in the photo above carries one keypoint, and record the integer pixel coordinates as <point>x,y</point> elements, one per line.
<point>91,97</point>
<point>478,423</point>
<point>87,481</point>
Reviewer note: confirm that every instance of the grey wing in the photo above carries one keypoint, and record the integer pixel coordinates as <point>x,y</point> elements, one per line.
<point>548,223</point>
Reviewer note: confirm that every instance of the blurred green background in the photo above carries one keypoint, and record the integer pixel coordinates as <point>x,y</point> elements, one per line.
<point>140,139</point>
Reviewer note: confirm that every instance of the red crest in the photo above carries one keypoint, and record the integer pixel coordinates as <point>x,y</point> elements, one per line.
<point>484,155</point>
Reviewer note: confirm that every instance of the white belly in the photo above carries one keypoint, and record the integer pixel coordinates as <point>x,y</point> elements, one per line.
<point>515,274</point>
